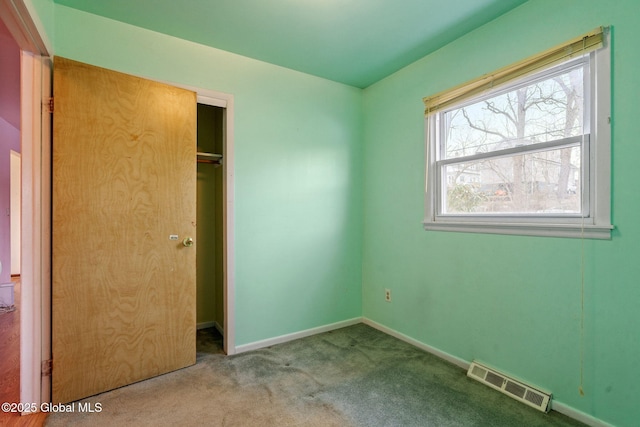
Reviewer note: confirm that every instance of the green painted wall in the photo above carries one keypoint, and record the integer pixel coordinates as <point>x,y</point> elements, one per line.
<point>298,171</point>
<point>512,302</point>
<point>41,12</point>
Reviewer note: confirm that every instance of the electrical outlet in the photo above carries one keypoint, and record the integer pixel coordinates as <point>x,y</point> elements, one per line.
<point>387,295</point>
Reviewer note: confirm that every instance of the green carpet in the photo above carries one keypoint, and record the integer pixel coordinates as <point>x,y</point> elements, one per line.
<point>355,376</point>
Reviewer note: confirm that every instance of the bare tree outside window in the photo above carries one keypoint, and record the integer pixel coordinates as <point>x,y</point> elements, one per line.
<point>516,172</point>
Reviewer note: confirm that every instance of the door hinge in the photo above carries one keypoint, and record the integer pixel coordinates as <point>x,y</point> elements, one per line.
<point>50,105</point>
<point>47,366</point>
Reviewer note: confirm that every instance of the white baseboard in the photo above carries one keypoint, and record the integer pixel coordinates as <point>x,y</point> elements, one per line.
<point>205,325</point>
<point>555,405</point>
<point>213,324</point>
<point>578,415</point>
<point>296,335</point>
<point>219,328</point>
<point>441,354</point>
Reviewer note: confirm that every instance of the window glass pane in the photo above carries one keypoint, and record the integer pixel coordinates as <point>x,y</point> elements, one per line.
<point>544,182</point>
<point>543,110</point>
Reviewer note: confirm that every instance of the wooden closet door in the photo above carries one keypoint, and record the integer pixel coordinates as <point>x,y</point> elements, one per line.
<point>124,198</point>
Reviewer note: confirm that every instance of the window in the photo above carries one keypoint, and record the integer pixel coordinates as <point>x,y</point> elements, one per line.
<point>525,150</point>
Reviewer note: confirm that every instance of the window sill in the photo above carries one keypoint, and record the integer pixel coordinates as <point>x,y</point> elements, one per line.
<point>525,229</point>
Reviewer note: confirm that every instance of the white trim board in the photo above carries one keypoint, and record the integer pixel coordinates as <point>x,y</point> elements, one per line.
<point>578,415</point>
<point>36,230</point>
<point>219,328</point>
<point>402,337</point>
<point>205,325</point>
<point>296,335</point>
<point>555,405</point>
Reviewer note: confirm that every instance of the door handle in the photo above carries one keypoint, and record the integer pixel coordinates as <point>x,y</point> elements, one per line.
<point>188,242</point>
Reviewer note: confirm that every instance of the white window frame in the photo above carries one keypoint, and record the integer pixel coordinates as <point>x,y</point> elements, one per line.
<point>594,222</point>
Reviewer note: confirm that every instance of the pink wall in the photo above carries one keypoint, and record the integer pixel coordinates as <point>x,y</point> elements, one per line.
<point>9,138</point>
<point>10,81</point>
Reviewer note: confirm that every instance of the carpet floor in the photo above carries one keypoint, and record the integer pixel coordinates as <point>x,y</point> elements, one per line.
<point>355,376</point>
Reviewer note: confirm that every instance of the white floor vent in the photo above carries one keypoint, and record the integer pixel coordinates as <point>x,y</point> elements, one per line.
<point>519,391</point>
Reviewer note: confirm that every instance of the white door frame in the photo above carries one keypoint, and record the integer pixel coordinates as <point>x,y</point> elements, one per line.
<point>35,309</point>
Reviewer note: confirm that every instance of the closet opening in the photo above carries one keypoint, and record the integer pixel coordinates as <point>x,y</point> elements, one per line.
<point>210,265</point>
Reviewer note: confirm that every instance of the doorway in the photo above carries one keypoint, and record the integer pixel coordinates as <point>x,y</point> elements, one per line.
<point>30,123</point>
<point>215,255</point>
<point>209,235</point>
<point>10,295</point>
<point>36,230</point>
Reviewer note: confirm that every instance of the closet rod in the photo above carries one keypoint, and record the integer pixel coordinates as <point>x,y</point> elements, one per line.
<point>209,158</point>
